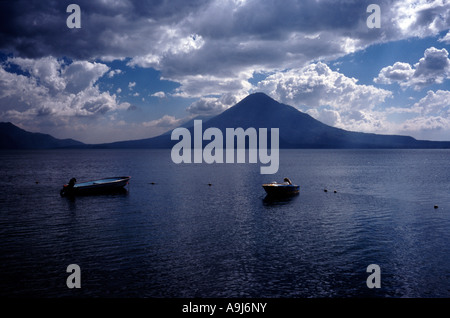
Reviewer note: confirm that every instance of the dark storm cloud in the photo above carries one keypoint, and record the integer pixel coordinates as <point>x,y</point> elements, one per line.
<point>433,15</point>
<point>130,28</point>
<point>236,33</point>
<point>272,18</point>
<point>109,28</point>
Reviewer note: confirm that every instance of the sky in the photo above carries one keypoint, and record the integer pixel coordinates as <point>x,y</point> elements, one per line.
<point>136,69</point>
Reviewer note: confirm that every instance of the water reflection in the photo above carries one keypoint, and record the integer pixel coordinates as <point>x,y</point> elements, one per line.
<point>271,200</point>
<point>71,200</point>
<point>71,204</point>
<point>108,192</point>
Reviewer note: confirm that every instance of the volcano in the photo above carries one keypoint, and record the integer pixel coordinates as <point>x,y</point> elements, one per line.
<point>296,129</point>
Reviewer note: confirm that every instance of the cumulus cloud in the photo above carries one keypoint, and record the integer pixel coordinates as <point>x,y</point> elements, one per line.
<point>204,85</point>
<point>159,94</point>
<point>172,44</point>
<point>160,125</point>
<point>430,127</point>
<point>166,121</point>
<point>207,106</point>
<point>365,121</point>
<point>432,68</point>
<point>429,117</point>
<point>317,85</point>
<point>53,90</point>
<point>356,120</point>
<point>399,72</point>
<point>131,85</point>
<point>81,75</point>
<point>446,38</point>
<point>327,116</point>
<point>214,105</point>
<point>420,18</point>
<point>435,103</point>
<point>112,73</point>
<point>46,70</point>
<point>56,75</point>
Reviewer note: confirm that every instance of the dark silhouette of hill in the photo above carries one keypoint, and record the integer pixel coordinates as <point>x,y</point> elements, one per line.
<point>13,137</point>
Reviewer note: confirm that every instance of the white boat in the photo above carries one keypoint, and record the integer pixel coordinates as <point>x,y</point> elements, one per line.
<point>281,189</point>
<point>106,185</point>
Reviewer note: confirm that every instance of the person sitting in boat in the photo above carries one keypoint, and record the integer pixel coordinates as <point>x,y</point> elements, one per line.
<point>67,188</point>
<point>286,180</point>
<point>71,183</point>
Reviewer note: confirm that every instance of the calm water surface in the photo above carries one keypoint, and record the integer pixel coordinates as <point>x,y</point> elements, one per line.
<point>180,237</point>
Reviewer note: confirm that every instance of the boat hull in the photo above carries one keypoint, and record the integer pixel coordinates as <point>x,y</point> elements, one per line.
<point>276,189</point>
<point>102,186</point>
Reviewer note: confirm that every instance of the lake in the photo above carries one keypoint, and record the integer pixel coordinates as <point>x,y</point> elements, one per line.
<point>199,230</point>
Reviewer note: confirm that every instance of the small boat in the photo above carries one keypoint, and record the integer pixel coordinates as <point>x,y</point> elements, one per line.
<point>106,185</point>
<point>281,189</point>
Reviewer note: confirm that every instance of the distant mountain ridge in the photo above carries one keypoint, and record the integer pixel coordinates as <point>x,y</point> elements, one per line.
<point>296,130</point>
<point>13,137</point>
